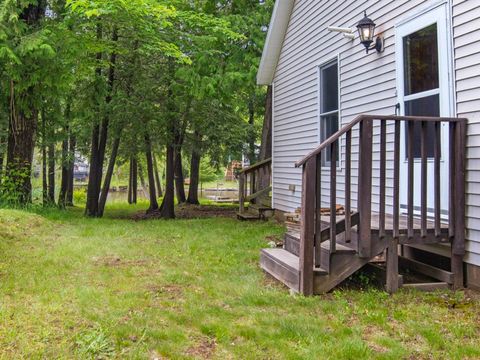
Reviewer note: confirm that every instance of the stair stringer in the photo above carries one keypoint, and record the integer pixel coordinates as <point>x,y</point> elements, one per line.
<point>342,265</point>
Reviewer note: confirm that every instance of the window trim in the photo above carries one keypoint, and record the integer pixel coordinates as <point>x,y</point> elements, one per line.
<point>324,63</point>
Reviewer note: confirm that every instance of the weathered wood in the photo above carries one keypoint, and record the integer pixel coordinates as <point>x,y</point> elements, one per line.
<point>348,186</point>
<point>451,197</point>
<point>282,265</point>
<point>458,245</point>
<point>365,189</point>
<point>392,265</point>
<point>340,227</point>
<point>259,193</point>
<point>318,206</point>
<point>410,176</point>
<point>396,181</point>
<point>383,166</point>
<point>308,227</point>
<point>437,180</point>
<point>362,118</point>
<point>423,177</point>
<point>241,192</point>
<point>264,163</point>
<point>427,286</point>
<point>333,196</point>
<point>425,269</point>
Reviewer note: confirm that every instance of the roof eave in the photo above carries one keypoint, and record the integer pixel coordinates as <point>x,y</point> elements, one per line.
<point>274,42</point>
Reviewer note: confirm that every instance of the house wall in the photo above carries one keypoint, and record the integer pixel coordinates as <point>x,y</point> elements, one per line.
<point>466,39</point>
<point>367,85</point>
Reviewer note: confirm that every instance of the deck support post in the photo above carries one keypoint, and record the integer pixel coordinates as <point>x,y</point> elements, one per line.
<point>241,193</point>
<point>458,245</point>
<point>307,232</point>
<point>392,266</point>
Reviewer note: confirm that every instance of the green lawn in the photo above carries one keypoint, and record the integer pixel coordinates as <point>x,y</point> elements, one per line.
<point>72,287</point>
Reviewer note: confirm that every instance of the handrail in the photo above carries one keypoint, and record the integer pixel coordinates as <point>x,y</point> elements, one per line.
<point>361,118</point>
<point>256,166</point>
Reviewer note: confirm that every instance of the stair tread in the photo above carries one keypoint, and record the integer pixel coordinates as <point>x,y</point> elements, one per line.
<point>287,258</point>
<point>339,247</point>
<point>247,215</point>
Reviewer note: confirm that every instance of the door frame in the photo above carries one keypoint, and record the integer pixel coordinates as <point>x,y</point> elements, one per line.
<point>438,13</point>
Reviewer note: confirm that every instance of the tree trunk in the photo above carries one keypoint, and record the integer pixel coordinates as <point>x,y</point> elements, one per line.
<point>51,173</point>
<point>108,176</point>
<point>130,182</point>
<point>263,179</point>
<point>71,169</point>
<point>62,197</point>
<point>99,137</point>
<point>91,207</point>
<point>21,143</point>
<point>142,179</point>
<point>179,179</point>
<point>2,154</point>
<point>44,164</point>
<point>151,177</point>
<point>266,146</point>
<point>135,181</point>
<point>158,183</point>
<point>251,137</point>
<point>194,176</point>
<point>23,124</point>
<point>167,210</point>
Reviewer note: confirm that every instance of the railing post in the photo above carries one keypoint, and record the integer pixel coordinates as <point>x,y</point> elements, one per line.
<point>458,245</point>
<point>307,232</point>
<point>365,189</point>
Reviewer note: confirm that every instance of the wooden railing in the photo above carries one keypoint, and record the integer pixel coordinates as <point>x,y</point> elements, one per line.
<point>254,182</point>
<point>419,228</point>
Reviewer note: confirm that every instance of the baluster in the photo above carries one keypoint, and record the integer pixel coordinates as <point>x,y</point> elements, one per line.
<point>348,185</point>
<point>437,156</point>
<point>365,189</point>
<point>333,197</point>
<point>307,234</point>
<point>383,165</point>
<point>396,182</point>
<point>410,129</point>
<point>318,211</point>
<point>423,184</point>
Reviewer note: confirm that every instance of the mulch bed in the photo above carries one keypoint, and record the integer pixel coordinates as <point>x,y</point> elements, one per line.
<point>193,212</point>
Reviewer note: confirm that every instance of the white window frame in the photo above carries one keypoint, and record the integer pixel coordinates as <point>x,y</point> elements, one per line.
<point>324,63</point>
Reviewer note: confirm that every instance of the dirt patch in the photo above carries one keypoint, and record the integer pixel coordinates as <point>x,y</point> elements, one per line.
<point>193,212</point>
<point>203,350</point>
<point>117,261</point>
<point>171,291</point>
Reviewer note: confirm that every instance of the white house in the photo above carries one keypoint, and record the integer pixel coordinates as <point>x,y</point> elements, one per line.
<point>323,78</point>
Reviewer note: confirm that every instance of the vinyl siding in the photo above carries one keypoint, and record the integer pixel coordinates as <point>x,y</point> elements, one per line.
<point>466,40</point>
<point>367,84</point>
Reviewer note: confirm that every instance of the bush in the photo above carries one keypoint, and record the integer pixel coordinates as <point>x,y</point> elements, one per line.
<point>80,196</point>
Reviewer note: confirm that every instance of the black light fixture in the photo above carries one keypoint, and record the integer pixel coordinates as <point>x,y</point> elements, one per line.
<point>366,30</point>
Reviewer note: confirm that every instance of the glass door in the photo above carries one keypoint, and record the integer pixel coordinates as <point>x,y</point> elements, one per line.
<point>422,56</point>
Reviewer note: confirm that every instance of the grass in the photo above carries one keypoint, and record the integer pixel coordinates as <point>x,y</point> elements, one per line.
<point>81,288</point>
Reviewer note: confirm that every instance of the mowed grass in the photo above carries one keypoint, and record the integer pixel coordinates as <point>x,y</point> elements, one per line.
<point>81,288</point>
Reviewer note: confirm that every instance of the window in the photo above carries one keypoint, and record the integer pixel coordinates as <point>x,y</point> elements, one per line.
<point>421,79</point>
<point>329,113</point>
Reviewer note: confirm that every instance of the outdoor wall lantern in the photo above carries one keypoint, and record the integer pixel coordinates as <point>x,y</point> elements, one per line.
<point>366,30</point>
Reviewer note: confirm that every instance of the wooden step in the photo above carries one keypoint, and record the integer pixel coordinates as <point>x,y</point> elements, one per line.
<point>248,215</point>
<point>291,243</point>
<point>283,266</point>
